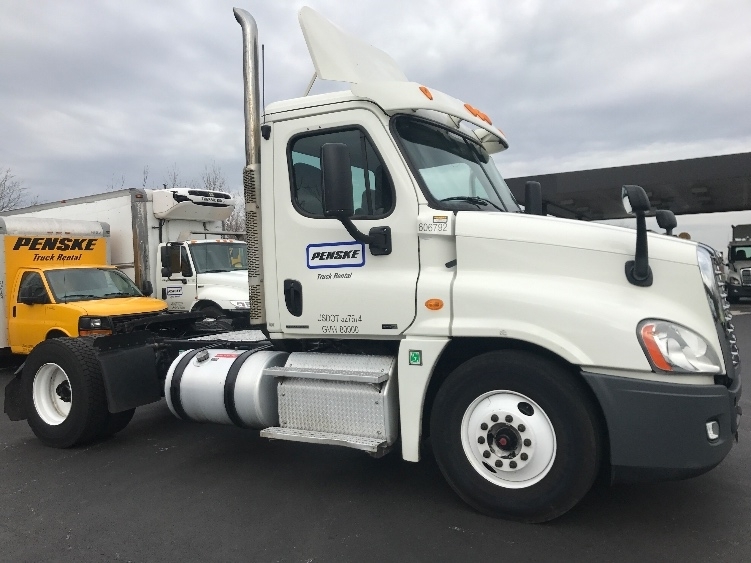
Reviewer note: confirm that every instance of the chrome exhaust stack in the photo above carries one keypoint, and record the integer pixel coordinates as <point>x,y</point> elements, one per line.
<point>252,170</point>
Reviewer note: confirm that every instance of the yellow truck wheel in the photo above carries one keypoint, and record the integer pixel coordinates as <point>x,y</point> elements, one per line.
<point>64,392</point>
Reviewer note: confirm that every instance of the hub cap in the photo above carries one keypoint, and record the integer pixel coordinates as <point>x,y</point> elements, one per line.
<point>52,394</point>
<point>508,439</point>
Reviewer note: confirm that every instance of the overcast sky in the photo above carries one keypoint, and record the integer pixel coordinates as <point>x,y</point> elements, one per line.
<point>91,92</point>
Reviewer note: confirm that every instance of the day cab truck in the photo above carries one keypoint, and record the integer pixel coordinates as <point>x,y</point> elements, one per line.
<point>56,280</point>
<point>399,288</point>
<point>173,240</point>
<point>739,263</point>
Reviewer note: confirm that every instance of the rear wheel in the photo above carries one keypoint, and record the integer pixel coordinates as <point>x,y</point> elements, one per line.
<point>516,436</point>
<point>64,392</point>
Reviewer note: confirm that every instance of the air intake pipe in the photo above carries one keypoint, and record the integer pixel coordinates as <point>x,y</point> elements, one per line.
<point>252,171</point>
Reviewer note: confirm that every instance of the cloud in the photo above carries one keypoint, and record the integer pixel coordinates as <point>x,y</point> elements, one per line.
<point>92,91</point>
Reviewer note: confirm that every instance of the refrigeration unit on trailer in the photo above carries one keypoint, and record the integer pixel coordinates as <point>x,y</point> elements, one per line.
<point>400,291</point>
<point>172,238</point>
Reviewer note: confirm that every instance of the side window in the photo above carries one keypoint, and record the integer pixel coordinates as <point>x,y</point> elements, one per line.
<point>32,287</point>
<point>372,192</point>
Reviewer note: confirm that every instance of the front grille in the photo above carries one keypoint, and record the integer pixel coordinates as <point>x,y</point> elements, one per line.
<point>727,317</point>
<point>746,276</point>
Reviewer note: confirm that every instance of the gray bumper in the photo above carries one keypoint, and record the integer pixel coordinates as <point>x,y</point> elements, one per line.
<point>657,431</point>
<point>739,290</point>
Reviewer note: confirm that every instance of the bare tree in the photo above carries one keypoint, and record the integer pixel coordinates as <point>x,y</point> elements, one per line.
<point>116,183</point>
<point>13,194</point>
<point>236,221</point>
<point>173,178</point>
<point>212,178</point>
<point>145,175</point>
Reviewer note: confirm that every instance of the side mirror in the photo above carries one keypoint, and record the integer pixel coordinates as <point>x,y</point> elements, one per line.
<point>336,179</point>
<point>666,220</point>
<point>533,198</point>
<point>166,272</point>
<point>164,255</point>
<point>148,288</point>
<point>636,202</point>
<point>28,298</point>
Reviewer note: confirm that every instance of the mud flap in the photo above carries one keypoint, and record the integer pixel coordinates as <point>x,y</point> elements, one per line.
<point>14,405</point>
<point>130,378</point>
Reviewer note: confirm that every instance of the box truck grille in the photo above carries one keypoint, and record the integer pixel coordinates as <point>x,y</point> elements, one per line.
<point>746,276</point>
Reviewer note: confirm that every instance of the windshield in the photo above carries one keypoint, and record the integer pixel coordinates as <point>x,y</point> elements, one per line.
<point>739,253</point>
<point>457,172</point>
<point>213,257</point>
<point>82,284</point>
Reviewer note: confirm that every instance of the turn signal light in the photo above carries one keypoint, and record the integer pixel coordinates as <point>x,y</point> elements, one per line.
<point>427,92</point>
<point>434,304</point>
<point>99,332</point>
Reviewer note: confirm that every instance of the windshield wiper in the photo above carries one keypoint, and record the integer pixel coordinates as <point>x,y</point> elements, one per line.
<point>476,200</point>
<point>118,294</point>
<point>215,271</point>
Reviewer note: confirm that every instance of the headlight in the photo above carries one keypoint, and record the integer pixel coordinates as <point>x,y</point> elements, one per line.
<point>240,304</point>
<point>672,348</point>
<point>91,326</point>
<point>734,281</point>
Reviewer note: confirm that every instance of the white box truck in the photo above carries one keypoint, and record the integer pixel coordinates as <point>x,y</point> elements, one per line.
<point>172,238</point>
<point>400,290</point>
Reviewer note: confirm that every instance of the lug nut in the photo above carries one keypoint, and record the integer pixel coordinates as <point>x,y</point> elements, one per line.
<point>521,428</point>
<point>509,418</point>
<point>512,464</point>
<point>498,463</point>
<point>527,442</point>
<point>494,418</point>
<point>486,454</point>
<point>480,440</point>
<point>484,426</point>
<point>524,457</point>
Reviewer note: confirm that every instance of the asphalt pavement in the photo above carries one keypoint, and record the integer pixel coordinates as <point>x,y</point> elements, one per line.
<point>166,490</point>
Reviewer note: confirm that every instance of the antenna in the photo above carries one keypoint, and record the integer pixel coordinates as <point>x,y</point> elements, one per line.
<point>263,81</point>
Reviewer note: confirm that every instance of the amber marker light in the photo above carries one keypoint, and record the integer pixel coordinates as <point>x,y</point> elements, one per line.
<point>434,304</point>
<point>427,92</point>
<point>653,349</point>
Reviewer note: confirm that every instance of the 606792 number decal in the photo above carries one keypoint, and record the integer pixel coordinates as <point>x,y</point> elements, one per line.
<point>432,227</point>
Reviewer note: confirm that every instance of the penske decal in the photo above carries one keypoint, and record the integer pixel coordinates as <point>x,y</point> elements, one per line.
<point>53,243</point>
<point>336,255</point>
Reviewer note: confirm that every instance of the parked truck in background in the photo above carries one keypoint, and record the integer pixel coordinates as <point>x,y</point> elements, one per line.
<point>400,292</point>
<point>739,264</point>
<point>172,239</point>
<point>56,280</point>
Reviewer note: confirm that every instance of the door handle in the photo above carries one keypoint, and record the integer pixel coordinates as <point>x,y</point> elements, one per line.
<point>293,297</point>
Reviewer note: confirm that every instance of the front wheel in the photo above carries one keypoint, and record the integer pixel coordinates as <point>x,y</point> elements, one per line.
<point>516,436</point>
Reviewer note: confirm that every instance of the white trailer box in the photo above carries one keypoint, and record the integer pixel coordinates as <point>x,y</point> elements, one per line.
<point>177,229</point>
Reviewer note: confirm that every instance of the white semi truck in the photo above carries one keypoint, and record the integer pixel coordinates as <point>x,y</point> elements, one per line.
<point>170,240</point>
<point>400,292</point>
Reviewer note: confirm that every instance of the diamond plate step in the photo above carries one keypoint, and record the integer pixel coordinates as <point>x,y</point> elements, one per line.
<point>335,367</point>
<point>372,445</point>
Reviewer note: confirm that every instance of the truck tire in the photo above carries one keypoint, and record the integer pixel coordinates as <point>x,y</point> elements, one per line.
<point>115,422</point>
<point>216,319</point>
<point>516,436</point>
<point>64,392</point>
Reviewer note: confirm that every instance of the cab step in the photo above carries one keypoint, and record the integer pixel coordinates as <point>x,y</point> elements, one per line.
<point>338,399</point>
<point>375,446</point>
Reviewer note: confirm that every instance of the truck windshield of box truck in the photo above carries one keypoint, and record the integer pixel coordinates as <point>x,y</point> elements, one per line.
<point>81,284</point>
<point>456,172</point>
<point>215,257</point>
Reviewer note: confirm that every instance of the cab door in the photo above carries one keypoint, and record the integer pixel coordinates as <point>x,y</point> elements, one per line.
<point>28,324</point>
<point>327,283</point>
<point>179,289</point>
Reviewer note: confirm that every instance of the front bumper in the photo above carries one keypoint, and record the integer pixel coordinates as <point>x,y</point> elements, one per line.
<point>657,431</point>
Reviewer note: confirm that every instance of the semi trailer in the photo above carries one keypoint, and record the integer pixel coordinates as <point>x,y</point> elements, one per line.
<point>171,239</point>
<point>398,288</point>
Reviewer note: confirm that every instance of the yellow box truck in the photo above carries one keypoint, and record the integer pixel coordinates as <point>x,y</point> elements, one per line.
<point>56,280</point>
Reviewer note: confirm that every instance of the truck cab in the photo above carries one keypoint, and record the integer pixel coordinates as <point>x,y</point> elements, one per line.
<point>739,264</point>
<point>210,275</point>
